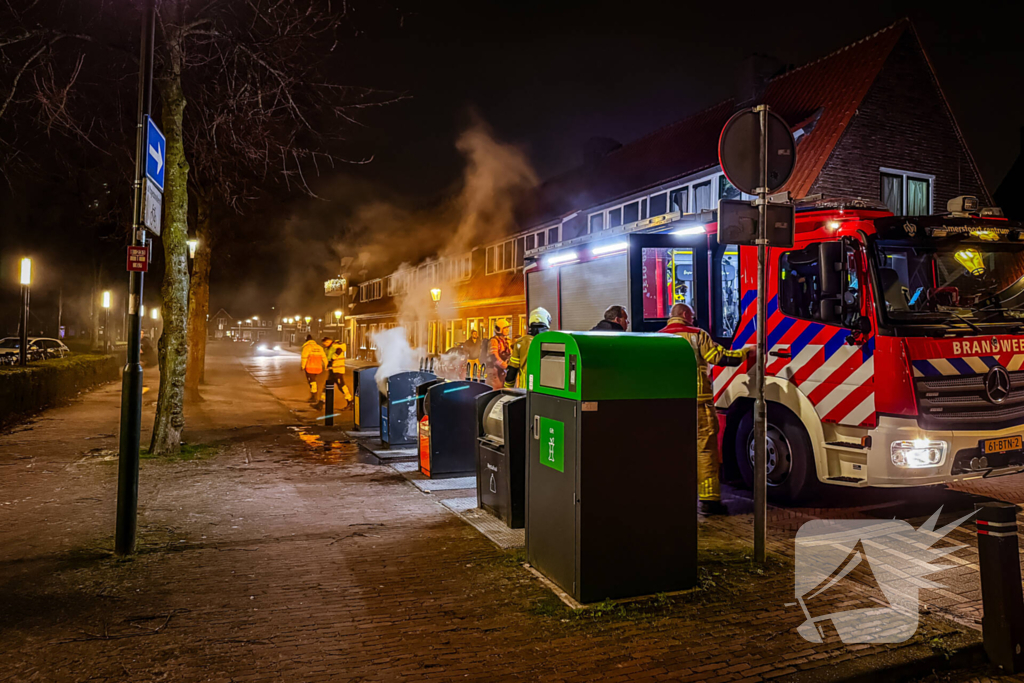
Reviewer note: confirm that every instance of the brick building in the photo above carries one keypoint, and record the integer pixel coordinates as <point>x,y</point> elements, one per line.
<point>870,120</point>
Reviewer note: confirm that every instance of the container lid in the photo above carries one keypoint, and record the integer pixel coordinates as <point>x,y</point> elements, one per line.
<point>612,365</point>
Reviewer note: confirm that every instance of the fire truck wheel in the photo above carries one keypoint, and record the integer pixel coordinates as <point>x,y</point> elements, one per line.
<point>790,456</point>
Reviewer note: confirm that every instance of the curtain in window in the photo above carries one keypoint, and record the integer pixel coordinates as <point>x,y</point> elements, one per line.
<point>892,193</point>
<point>702,197</point>
<point>917,197</point>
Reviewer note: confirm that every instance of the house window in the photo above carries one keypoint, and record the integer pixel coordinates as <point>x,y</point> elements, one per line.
<point>631,212</point>
<point>679,200</point>
<point>727,190</point>
<point>552,235</point>
<point>658,204</point>
<point>702,199</point>
<point>596,222</point>
<point>502,257</point>
<point>615,218</point>
<point>906,194</point>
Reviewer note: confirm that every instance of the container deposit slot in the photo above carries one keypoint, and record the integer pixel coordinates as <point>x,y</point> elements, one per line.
<point>552,367</point>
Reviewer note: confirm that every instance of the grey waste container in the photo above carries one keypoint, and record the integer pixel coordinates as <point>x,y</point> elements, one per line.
<point>501,455</point>
<point>398,408</point>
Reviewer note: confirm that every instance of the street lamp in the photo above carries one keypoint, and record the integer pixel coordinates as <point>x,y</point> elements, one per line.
<point>435,294</point>
<point>106,329</point>
<point>193,244</point>
<point>26,281</point>
<point>155,314</point>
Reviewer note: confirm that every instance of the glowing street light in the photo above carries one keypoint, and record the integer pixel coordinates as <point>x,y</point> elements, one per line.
<point>435,294</point>
<point>155,314</point>
<point>106,326</point>
<point>193,244</point>
<point>26,280</point>
<point>142,311</point>
<point>308,319</point>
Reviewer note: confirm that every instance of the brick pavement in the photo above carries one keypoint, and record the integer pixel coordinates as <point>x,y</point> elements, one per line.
<point>282,559</point>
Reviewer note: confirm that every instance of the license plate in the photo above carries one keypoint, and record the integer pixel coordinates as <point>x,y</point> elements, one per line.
<point>1002,445</point>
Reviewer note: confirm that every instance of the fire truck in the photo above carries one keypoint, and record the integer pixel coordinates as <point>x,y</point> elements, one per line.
<point>895,343</point>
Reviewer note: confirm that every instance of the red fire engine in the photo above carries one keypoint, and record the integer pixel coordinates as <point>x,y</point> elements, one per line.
<point>895,344</point>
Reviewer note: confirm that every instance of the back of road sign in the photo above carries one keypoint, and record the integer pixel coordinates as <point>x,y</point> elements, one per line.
<point>739,151</point>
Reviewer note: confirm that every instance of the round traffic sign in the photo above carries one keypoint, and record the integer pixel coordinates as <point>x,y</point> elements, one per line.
<point>739,151</point>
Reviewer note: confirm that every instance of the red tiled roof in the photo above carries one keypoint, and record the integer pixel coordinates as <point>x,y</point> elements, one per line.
<point>836,84</point>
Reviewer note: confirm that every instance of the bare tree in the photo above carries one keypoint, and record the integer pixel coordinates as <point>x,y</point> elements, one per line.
<point>265,116</point>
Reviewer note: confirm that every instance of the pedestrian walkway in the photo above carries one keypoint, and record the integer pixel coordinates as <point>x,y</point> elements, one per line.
<point>283,551</point>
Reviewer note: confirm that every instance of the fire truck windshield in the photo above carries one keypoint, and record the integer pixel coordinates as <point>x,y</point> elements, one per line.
<point>976,277</point>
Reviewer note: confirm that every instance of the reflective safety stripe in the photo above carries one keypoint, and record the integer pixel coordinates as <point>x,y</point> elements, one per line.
<point>708,489</point>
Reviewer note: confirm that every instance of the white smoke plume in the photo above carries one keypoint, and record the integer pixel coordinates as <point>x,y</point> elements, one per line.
<point>394,354</point>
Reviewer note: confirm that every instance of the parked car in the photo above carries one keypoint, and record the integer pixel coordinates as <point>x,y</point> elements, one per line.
<point>39,348</point>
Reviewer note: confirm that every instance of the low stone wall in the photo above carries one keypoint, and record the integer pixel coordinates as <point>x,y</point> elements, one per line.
<point>47,383</point>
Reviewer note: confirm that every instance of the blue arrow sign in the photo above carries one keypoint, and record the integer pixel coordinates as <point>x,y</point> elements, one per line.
<point>156,152</point>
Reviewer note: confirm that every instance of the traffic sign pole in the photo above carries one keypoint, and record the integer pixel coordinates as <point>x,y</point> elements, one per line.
<point>760,406</point>
<point>131,382</point>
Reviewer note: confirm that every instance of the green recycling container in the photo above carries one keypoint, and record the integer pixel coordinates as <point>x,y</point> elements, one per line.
<point>611,509</point>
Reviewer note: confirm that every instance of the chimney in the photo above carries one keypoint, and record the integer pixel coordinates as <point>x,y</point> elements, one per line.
<point>752,78</point>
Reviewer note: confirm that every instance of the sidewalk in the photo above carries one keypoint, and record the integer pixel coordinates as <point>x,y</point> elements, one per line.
<point>272,557</point>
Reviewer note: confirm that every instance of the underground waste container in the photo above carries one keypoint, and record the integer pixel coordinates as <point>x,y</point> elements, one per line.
<point>611,507</point>
<point>501,455</point>
<point>449,449</point>
<point>366,398</point>
<point>398,407</point>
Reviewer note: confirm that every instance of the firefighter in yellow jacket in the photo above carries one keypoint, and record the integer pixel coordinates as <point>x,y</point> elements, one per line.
<point>336,352</point>
<point>515,375</point>
<point>314,362</point>
<point>708,353</point>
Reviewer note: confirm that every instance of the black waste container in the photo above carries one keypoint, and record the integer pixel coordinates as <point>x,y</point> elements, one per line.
<point>366,397</point>
<point>501,455</point>
<point>450,447</point>
<point>398,408</point>
<point>422,421</point>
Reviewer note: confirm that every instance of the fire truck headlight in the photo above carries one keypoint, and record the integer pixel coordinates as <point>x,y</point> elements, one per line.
<point>918,453</point>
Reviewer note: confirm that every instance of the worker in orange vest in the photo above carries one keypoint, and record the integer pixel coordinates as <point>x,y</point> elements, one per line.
<point>314,362</point>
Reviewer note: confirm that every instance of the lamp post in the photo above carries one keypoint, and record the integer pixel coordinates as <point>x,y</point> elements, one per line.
<point>26,281</point>
<point>106,315</point>
<point>435,295</point>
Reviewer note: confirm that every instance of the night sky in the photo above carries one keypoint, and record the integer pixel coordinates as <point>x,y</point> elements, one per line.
<point>547,76</point>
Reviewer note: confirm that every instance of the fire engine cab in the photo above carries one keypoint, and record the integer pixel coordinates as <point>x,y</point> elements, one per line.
<point>895,343</point>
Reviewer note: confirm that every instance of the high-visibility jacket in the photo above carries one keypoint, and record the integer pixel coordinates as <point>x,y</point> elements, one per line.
<point>336,358</point>
<point>708,353</point>
<point>314,360</point>
<point>517,362</point>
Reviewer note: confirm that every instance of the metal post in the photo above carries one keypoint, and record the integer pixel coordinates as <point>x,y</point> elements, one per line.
<point>1002,623</point>
<point>131,384</point>
<point>23,342</point>
<point>760,406</point>
<point>106,331</point>
<point>329,401</point>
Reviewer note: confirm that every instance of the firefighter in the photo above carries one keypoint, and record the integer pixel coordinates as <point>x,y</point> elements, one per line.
<point>540,321</point>
<point>499,350</point>
<point>708,353</point>
<point>336,365</point>
<point>314,361</point>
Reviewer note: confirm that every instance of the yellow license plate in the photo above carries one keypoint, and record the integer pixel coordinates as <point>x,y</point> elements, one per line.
<point>1006,443</point>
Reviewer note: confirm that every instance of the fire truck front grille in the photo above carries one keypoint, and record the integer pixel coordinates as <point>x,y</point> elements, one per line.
<point>947,402</point>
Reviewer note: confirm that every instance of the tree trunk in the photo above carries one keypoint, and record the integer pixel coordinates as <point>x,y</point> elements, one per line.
<point>198,303</point>
<point>170,409</point>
